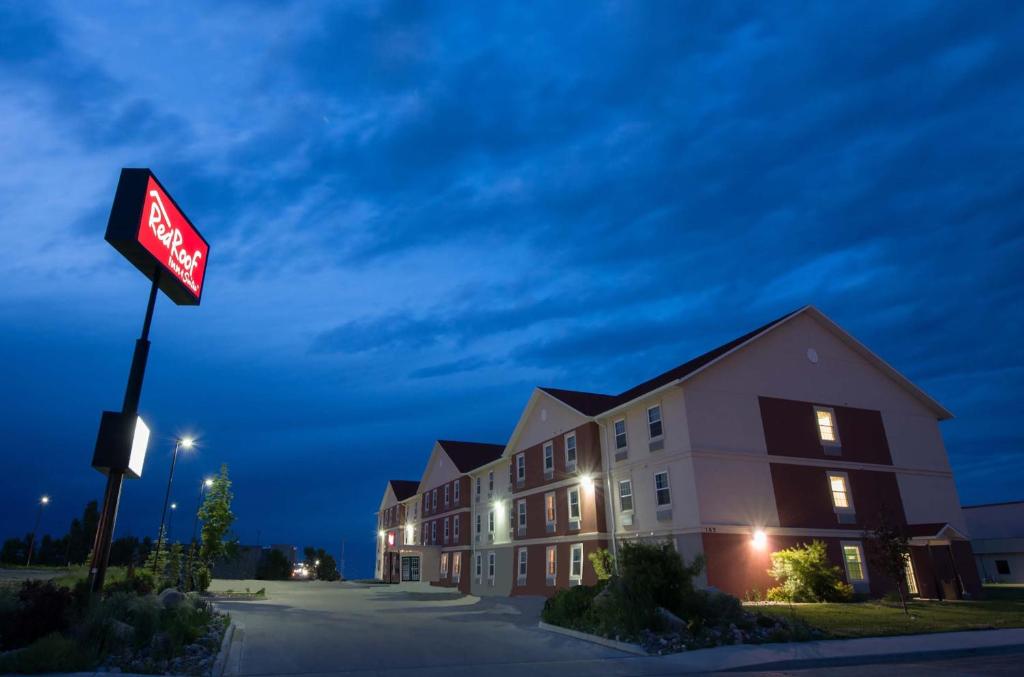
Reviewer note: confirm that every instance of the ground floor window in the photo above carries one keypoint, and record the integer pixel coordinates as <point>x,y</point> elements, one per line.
<point>522,565</point>
<point>478,567</point>
<point>853,557</point>
<point>1003,567</point>
<point>457,564</point>
<point>490,565</point>
<point>576,562</point>
<point>551,558</point>
<point>444,564</point>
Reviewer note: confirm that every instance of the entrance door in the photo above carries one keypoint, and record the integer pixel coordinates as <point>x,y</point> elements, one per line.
<point>411,568</point>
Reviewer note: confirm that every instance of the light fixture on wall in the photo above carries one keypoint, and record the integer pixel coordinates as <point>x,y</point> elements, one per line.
<point>760,540</point>
<point>587,481</point>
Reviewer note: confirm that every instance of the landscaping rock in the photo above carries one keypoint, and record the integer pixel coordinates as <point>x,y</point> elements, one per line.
<point>122,632</point>
<point>673,622</point>
<point>171,598</point>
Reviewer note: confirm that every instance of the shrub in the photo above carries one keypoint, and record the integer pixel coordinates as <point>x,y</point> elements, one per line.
<point>805,575</point>
<point>52,653</point>
<point>201,576</point>
<point>654,575</point>
<point>141,582</point>
<point>603,564</point>
<point>571,608</point>
<point>41,608</point>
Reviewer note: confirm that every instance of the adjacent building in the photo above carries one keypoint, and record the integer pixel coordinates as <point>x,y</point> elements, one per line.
<point>997,538</point>
<point>792,432</point>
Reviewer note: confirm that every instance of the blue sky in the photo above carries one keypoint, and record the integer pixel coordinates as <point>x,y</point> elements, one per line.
<point>419,211</point>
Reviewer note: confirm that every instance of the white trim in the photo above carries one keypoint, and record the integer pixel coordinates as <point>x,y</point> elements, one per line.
<point>668,486</point>
<point>520,467</point>
<point>572,550</point>
<point>522,565</point>
<point>578,490</point>
<point>615,437</point>
<point>834,424</point>
<point>849,508</point>
<point>575,448</point>
<point>632,502</point>
<point>554,509</point>
<point>863,562</point>
<point>550,578</point>
<point>491,568</point>
<point>521,516</point>
<point>661,422</point>
<point>548,451</point>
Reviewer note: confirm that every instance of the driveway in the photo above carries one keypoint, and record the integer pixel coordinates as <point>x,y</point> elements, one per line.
<point>308,628</point>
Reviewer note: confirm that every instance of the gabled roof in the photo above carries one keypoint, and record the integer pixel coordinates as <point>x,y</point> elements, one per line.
<point>471,455</point>
<point>404,488</point>
<point>594,404</point>
<point>935,530</point>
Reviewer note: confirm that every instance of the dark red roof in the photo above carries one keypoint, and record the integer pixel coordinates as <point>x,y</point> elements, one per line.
<point>404,488</point>
<point>592,404</point>
<point>470,455</point>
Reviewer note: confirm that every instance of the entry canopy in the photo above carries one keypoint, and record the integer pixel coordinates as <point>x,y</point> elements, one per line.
<point>149,229</point>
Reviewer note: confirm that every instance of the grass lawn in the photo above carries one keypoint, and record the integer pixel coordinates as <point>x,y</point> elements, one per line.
<point>873,619</point>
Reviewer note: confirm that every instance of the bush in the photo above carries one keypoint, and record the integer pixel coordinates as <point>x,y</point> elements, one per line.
<point>805,575</point>
<point>603,564</point>
<point>52,653</point>
<point>141,582</point>
<point>654,575</point>
<point>41,608</point>
<point>571,608</point>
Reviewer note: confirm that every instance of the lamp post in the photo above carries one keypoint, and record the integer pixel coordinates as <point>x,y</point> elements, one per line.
<point>43,502</point>
<point>206,484</point>
<point>187,443</point>
<point>170,523</point>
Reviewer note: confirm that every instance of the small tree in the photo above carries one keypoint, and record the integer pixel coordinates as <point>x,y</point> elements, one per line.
<point>603,563</point>
<point>889,550</point>
<point>157,564</point>
<point>217,518</point>
<point>805,575</point>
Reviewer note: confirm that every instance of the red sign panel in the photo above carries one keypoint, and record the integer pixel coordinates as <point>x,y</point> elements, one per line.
<point>148,227</point>
<point>171,239</point>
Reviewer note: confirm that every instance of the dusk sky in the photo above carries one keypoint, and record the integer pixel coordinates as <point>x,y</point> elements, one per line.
<point>418,211</point>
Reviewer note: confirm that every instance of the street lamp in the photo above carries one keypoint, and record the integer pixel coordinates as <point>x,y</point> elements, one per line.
<point>203,486</point>
<point>170,523</point>
<point>39,514</point>
<point>187,443</point>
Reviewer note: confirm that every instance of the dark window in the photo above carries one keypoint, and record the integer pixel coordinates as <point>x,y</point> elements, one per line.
<point>1002,567</point>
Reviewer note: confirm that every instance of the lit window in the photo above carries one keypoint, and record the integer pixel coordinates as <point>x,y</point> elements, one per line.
<point>908,568</point>
<point>625,495</point>
<point>661,488</point>
<point>826,425</point>
<point>444,564</point>
<point>854,559</point>
<point>551,563</point>
<point>839,486</point>
<point>521,467</point>
<point>620,434</point>
<point>522,564</point>
<point>455,528</point>
<point>570,452</point>
<point>549,457</point>
<point>522,515</point>
<point>654,422</point>
<point>576,562</point>
<point>490,565</point>
<point>457,564</point>
<point>549,507</point>
<point>574,504</point>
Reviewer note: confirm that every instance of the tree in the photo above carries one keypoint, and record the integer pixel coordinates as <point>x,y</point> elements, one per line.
<point>889,550</point>
<point>323,565</point>
<point>274,567</point>
<point>217,518</point>
<point>14,550</point>
<point>805,575</point>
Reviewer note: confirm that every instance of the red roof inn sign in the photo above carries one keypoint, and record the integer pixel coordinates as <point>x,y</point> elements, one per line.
<point>150,230</point>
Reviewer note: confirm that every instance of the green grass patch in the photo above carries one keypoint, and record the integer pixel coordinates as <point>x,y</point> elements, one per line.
<point>874,619</point>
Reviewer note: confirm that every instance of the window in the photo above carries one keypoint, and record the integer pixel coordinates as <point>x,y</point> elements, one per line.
<point>551,564</point>
<point>908,569</point>
<point>455,529</point>
<point>1003,567</point>
<point>620,433</point>
<point>423,536</point>
<point>522,514</point>
<point>446,501</point>
<point>478,486</point>
<point>827,432</point>
<point>570,452</point>
<point>457,491</point>
<point>654,421</point>
<point>433,499</point>
<point>490,481</point>
<point>490,522</point>
<point>490,565</point>
<point>426,503</point>
<point>478,523</point>
<point>574,504</point>
<point>433,532</point>
<point>661,488</point>
<point>549,458</point>
<point>839,487</point>
<point>444,564</point>
<point>625,495</point>
<point>445,529</point>
<point>549,508</point>
<point>521,468</point>
<point>522,565</point>
<point>576,562</point>
<point>478,567</point>
<point>457,565</point>
<point>853,557</point>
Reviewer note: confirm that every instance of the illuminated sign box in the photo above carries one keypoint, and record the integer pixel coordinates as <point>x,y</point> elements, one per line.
<point>121,444</point>
<point>150,230</point>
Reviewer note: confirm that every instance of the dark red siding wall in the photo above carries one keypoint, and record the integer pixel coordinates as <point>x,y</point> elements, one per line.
<point>791,429</point>
<point>536,579</point>
<point>592,513</point>
<point>803,497</point>
<point>588,458</point>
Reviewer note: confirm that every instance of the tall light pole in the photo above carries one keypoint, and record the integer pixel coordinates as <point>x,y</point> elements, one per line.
<point>206,484</point>
<point>43,502</point>
<point>170,523</point>
<point>187,443</point>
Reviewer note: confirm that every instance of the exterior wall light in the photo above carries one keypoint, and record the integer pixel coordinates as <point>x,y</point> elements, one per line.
<point>760,540</point>
<point>381,533</point>
<point>587,481</point>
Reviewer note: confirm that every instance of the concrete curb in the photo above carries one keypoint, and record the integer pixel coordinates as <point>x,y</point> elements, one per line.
<point>626,647</point>
<point>222,657</point>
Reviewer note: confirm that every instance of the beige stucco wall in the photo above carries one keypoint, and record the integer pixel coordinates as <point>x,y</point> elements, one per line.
<point>502,572</point>
<point>544,420</point>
